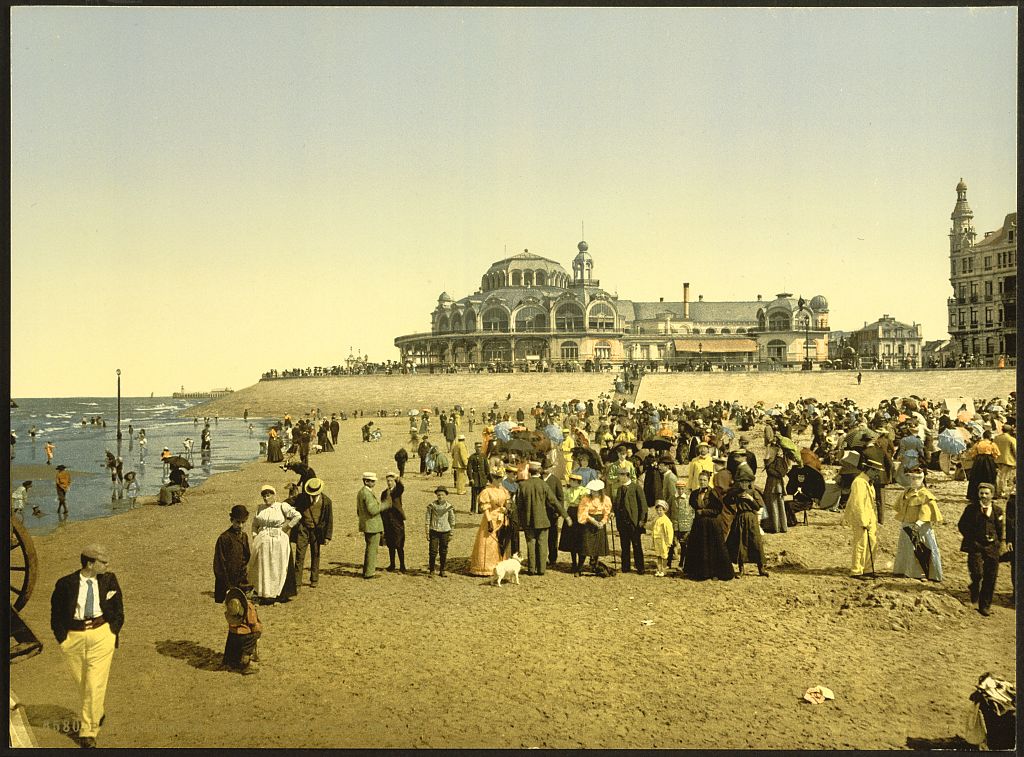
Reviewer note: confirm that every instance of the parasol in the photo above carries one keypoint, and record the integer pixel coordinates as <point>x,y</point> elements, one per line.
<point>554,433</point>
<point>414,412</point>
<point>503,431</point>
<point>593,459</point>
<point>662,445</point>
<point>520,445</point>
<point>728,432</point>
<point>950,442</point>
<point>806,480</point>
<point>177,461</point>
<point>922,551</point>
<point>580,407</point>
<point>786,443</point>
<point>581,438</point>
<point>629,406</point>
<point>628,445</point>
<point>995,407</point>
<point>459,408</point>
<point>425,410</point>
<point>976,428</point>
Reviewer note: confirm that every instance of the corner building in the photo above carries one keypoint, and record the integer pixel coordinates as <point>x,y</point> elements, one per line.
<point>983,273</point>
<point>531,313</point>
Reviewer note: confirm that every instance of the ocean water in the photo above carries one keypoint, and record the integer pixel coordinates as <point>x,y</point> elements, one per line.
<point>82,448</point>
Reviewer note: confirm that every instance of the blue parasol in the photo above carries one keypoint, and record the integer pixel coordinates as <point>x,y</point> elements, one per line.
<point>503,431</point>
<point>554,433</point>
<point>951,442</point>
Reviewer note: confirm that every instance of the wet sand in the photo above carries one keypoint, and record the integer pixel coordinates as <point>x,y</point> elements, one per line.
<point>408,661</point>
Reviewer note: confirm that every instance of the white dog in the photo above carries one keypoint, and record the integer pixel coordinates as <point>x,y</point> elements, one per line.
<point>509,567</point>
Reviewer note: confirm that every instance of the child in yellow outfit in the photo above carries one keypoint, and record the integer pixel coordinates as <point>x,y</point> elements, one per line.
<point>663,534</point>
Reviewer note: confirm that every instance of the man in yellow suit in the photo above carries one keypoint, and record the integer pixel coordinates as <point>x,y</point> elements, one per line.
<point>460,462</point>
<point>861,516</point>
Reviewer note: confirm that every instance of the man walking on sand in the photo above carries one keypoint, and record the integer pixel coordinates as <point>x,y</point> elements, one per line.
<point>477,471</point>
<point>368,509</point>
<point>86,616</point>
<point>460,461</point>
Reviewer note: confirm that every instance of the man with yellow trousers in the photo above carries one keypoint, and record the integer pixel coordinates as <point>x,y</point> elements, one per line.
<point>861,516</point>
<point>86,615</point>
<point>460,462</point>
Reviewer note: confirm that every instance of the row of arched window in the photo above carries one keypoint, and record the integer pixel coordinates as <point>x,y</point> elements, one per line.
<point>568,316</point>
<point>524,278</point>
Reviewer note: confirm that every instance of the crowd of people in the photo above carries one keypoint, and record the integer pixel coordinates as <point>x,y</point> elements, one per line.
<point>576,477</point>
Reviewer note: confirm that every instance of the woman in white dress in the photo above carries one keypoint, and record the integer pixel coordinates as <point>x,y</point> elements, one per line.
<point>271,548</point>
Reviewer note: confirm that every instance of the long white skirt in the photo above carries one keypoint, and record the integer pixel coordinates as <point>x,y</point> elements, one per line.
<point>906,563</point>
<point>269,565</point>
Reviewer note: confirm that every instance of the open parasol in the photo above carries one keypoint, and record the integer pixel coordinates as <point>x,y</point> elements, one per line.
<point>593,459</point>
<point>554,433</point>
<point>806,480</point>
<point>786,443</point>
<point>523,446</point>
<point>177,461</point>
<point>950,442</point>
<point>662,445</point>
<point>503,431</point>
<point>414,412</point>
<point>922,551</point>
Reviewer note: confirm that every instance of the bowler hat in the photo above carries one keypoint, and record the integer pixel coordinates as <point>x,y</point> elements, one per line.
<point>440,489</point>
<point>239,512</point>
<point>61,467</point>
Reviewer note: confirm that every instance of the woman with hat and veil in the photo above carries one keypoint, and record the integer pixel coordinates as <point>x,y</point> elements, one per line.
<point>593,513</point>
<point>917,554</point>
<point>272,563</point>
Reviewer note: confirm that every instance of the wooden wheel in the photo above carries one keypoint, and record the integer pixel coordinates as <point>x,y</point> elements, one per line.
<point>24,565</point>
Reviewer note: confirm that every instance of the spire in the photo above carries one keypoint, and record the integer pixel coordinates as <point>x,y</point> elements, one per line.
<point>962,233</point>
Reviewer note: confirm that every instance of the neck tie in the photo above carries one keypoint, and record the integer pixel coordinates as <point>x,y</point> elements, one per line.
<point>90,600</point>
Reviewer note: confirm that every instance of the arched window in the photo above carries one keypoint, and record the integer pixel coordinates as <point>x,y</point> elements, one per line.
<point>517,278</point>
<point>442,323</point>
<point>777,350</point>
<point>528,278</point>
<point>497,350</point>
<point>709,331</point>
<point>778,321</point>
<point>803,321</point>
<point>696,331</point>
<point>570,351</point>
<point>602,317</point>
<point>531,318</point>
<point>495,319</point>
<point>603,350</point>
<point>740,330</point>
<point>469,319</point>
<point>539,278</point>
<point>761,322</point>
<point>726,331</point>
<point>569,317</point>
<point>456,322</point>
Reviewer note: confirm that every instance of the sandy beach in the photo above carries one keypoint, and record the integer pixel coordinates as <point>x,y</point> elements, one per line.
<point>408,661</point>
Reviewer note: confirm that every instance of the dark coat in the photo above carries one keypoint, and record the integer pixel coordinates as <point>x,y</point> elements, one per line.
<point>532,502</point>
<point>630,507</point>
<point>554,483</point>
<point>981,534</point>
<point>65,598</point>
<point>230,560</point>
<point>324,526</point>
<point>401,457</point>
<point>477,469</point>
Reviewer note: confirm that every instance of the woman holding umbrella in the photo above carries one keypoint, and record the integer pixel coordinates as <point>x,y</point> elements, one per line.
<point>593,513</point>
<point>917,555</point>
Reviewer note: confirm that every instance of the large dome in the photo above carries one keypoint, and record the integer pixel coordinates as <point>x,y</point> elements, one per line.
<point>818,302</point>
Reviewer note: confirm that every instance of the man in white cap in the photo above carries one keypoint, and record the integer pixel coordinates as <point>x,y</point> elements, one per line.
<point>314,530</point>
<point>460,461</point>
<point>368,508</point>
<point>86,615</point>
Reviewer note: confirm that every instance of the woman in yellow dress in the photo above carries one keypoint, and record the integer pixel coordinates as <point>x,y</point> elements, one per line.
<point>487,553</point>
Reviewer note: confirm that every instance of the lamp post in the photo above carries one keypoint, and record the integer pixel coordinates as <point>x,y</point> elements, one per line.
<point>807,344</point>
<point>700,356</point>
<point>119,410</point>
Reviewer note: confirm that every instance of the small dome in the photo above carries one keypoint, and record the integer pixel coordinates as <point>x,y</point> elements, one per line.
<point>818,302</point>
<point>961,187</point>
<point>445,297</point>
<point>582,247</point>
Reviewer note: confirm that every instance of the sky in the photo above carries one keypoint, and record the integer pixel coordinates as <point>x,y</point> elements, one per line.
<point>201,194</point>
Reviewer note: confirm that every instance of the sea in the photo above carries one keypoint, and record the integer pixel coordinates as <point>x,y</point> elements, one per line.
<point>81,445</point>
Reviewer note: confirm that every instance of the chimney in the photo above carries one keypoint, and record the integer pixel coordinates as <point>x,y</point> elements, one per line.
<point>686,299</point>
<point>758,298</point>
<point>700,298</point>
<point>661,299</point>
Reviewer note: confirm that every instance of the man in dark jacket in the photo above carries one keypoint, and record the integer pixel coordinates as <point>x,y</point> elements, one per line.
<point>401,458</point>
<point>476,471</point>
<point>982,526</point>
<point>533,500</point>
<point>314,530</point>
<point>231,555</point>
<point>335,429</point>
<point>630,509</point>
<point>422,451</point>
<point>554,483</point>
<point>86,616</point>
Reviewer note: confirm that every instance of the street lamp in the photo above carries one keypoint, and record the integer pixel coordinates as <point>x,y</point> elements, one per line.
<point>700,356</point>
<point>119,404</point>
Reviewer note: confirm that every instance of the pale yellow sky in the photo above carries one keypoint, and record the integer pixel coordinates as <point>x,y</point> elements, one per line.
<point>200,194</point>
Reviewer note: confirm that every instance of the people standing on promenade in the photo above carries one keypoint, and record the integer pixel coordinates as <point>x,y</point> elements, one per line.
<point>917,512</point>
<point>593,513</point>
<point>272,561</point>
<point>1006,464</point>
<point>983,528</point>
<point>48,448</point>
<point>86,617</point>
<point>477,471</point>
<point>314,530</point>
<point>440,524</point>
<point>368,509</point>
<point>231,554</point>
<point>460,461</point>
<point>861,517</point>
<point>393,518</point>
<point>63,480</point>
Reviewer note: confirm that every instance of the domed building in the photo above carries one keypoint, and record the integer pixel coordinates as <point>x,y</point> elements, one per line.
<point>530,312</point>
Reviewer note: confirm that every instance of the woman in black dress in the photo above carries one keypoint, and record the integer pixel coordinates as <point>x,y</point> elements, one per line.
<point>394,520</point>
<point>706,555</point>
